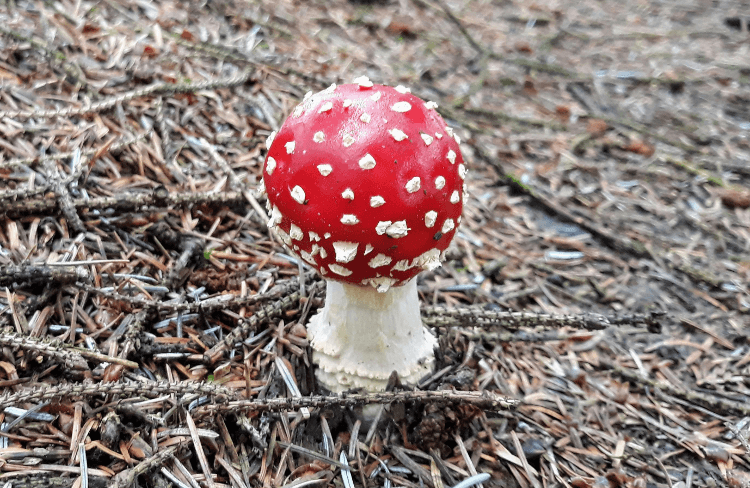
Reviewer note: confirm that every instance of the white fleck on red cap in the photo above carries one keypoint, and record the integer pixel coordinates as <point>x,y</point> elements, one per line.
<point>375,171</point>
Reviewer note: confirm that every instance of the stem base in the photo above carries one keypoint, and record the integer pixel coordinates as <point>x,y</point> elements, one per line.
<point>361,336</point>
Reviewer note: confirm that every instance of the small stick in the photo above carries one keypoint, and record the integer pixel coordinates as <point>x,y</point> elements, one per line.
<point>126,479</point>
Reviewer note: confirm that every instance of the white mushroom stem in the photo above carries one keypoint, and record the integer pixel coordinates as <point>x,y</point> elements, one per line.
<point>361,336</point>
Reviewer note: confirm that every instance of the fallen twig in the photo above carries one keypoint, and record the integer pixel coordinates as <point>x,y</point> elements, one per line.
<point>160,88</point>
<point>482,399</point>
<point>146,388</point>
<point>59,350</point>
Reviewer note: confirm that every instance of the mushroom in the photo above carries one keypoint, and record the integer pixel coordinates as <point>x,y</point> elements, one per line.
<point>364,183</point>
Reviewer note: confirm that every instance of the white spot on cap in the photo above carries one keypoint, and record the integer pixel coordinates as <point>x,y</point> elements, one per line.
<point>448,226</point>
<point>262,187</point>
<point>308,258</point>
<point>284,237</point>
<point>376,96</point>
<point>401,107</point>
<point>368,249</point>
<point>327,235</point>
<point>298,110</point>
<point>449,131</point>
<point>402,89</point>
<point>452,156</point>
<point>348,194</point>
<point>313,236</point>
<point>402,265</point>
<point>323,253</point>
<point>325,107</point>
<point>455,197</point>
<point>456,138</point>
<point>376,201</point>
<point>380,283</point>
<point>426,138</point>
<point>270,165</point>
<point>340,270</point>
<point>319,136</point>
<point>382,226</point>
<point>325,169</point>
<point>296,233</point>
<point>367,162</point>
<point>345,251</point>
<point>462,171</point>
<point>428,260</point>
<point>307,96</point>
<point>363,81</point>
<point>397,134</point>
<point>430,105</point>
<point>330,89</point>
<point>349,219</point>
<point>430,218</point>
<point>348,140</point>
<point>397,229</point>
<point>379,260</point>
<point>269,139</point>
<point>298,194</point>
<point>438,135</point>
<point>275,217</point>
<point>289,147</point>
<point>413,184</point>
<point>439,182</point>
<point>365,117</point>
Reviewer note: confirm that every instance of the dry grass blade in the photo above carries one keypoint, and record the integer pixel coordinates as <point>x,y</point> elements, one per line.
<point>307,452</point>
<point>199,450</point>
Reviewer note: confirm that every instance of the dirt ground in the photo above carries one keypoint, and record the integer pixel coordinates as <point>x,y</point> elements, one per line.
<point>154,331</point>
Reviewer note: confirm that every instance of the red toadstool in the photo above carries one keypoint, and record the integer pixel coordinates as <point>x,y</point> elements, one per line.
<point>364,183</point>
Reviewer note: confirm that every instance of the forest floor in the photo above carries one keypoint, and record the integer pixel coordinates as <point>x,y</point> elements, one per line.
<point>154,331</point>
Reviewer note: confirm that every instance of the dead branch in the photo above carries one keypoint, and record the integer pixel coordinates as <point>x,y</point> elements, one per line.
<point>66,353</point>
<point>261,316</point>
<point>60,189</point>
<point>34,275</point>
<point>160,88</point>
<point>160,197</point>
<point>438,316</point>
<point>481,399</point>
<point>518,336</point>
<point>145,388</point>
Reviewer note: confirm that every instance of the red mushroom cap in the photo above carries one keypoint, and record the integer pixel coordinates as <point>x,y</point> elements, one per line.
<point>365,183</point>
